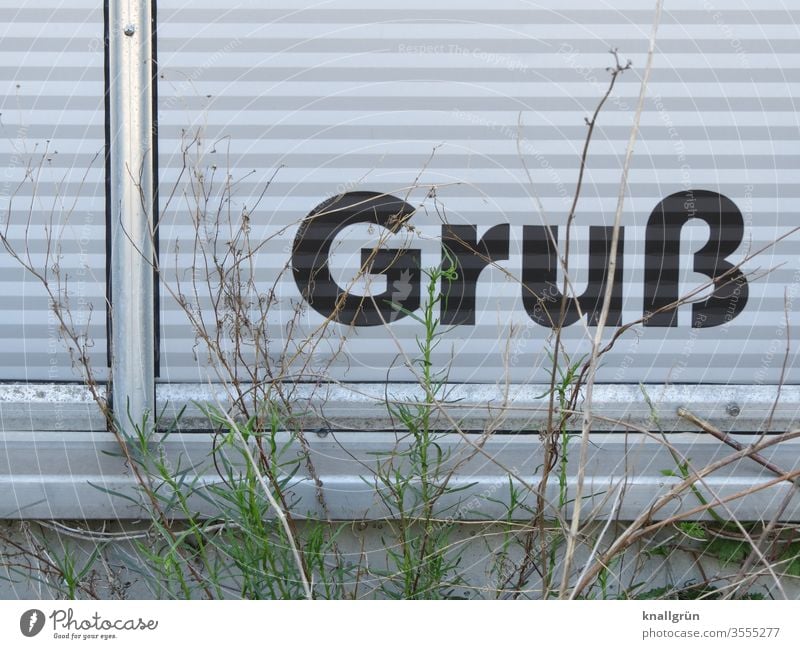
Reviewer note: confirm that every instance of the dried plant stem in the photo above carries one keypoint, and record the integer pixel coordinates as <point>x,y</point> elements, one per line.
<point>727,439</point>
<point>640,527</point>
<point>598,337</point>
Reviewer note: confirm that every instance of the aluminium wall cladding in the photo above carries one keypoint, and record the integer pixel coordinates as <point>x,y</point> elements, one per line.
<point>52,183</point>
<point>347,97</point>
<point>448,108</point>
<point>475,117</point>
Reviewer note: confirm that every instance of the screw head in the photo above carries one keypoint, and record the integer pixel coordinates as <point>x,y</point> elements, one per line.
<point>733,409</point>
<point>129,30</point>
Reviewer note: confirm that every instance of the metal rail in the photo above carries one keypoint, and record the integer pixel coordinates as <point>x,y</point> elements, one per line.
<point>132,285</point>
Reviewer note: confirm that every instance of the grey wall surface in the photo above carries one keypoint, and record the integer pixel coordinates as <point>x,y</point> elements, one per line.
<point>52,183</point>
<point>449,108</point>
<point>460,99</point>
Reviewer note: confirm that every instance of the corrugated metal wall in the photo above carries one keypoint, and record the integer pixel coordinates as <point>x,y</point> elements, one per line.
<point>404,97</point>
<point>52,202</point>
<point>348,97</point>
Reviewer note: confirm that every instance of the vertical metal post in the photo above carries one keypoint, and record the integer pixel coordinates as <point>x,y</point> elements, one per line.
<point>131,164</point>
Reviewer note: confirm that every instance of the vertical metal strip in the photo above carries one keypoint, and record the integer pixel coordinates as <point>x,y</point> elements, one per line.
<point>107,136</point>
<point>131,191</point>
<point>156,207</point>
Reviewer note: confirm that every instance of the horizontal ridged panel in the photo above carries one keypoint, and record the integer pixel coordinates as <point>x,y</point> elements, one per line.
<point>404,98</point>
<point>52,126</point>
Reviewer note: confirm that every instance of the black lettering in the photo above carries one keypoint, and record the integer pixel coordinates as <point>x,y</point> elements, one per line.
<point>401,267</point>
<point>662,259</point>
<point>470,257</point>
<point>540,294</point>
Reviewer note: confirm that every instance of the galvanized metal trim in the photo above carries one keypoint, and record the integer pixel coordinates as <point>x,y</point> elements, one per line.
<point>69,475</point>
<point>513,408</point>
<point>46,473</point>
<point>44,407</point>
<point>361,406</point>
<point>131,117</point>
